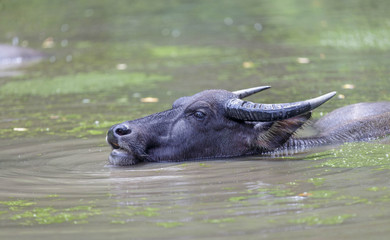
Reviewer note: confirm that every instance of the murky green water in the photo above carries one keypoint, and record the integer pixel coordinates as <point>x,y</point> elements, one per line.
<point>105,58</point>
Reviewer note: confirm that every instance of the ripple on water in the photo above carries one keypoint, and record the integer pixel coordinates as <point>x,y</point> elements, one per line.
<point>69,182</point>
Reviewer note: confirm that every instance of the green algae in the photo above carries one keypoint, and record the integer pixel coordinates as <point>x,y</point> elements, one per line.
<point>185,51</point>
<point>292,183</point>
<point>96,132</point>
<point>50,215</point>
<point>220,220</point>
<point>81,214</point>
<point>147,212</point>
<point>317,220</point>
<point>238,198</point>
<point>26,212</point>
<point>81,83</point>
<point>118,222</point>
<point>85,128</point>
<point>204,165</point>
<point>16,205</point>
<point>52,196</point>
<point>316,181</point>
<point>358,200</point>
<point>385,198</point>
<point>355,155</point>
<point>322,194</point>
<point>133,212</point>
<point>376,189</point>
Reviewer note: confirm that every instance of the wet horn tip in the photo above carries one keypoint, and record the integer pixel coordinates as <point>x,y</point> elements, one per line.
<point>249,91</point>
<point>318,101</point>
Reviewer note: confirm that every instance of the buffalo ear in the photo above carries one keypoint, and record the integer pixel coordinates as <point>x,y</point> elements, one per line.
<point>277,133</point>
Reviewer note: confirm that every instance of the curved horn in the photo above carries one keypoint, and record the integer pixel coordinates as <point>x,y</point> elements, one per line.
<point>249,111</point>
<point>249,91</point>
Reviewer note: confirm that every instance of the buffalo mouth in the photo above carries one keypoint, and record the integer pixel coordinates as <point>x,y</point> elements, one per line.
<point>121,156</point>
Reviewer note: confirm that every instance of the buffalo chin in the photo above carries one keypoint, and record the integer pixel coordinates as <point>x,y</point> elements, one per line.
<point>120,157</point>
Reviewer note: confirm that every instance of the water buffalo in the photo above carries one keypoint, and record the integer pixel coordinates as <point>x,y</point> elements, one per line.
<point>219,124</point>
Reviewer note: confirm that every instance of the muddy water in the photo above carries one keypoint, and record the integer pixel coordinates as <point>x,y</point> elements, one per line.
<point>104,59</point>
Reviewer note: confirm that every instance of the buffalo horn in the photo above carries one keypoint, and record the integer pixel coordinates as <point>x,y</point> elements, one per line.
<point>249,91</point>
<point>249,111</point>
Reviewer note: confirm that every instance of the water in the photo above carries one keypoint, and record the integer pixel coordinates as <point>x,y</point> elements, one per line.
<point>104,58</point>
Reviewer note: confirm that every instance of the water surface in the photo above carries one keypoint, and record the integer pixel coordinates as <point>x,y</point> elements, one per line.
<point>104,59</point>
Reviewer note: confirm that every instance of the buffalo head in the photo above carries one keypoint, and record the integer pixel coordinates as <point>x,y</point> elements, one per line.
<point>209,124</point>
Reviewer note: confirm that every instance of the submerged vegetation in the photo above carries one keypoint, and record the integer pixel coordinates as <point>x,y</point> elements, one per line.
<point>316,220</point>
<point>84,83</point>
<point>43,210</point>
<point>355,155</point>
<point>49,215</point>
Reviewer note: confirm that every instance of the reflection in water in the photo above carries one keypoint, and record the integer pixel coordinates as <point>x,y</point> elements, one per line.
<point>68,182</point>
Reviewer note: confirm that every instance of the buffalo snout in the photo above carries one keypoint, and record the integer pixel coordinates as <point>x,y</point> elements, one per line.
<point>127,149</point>
<point>116,132</point>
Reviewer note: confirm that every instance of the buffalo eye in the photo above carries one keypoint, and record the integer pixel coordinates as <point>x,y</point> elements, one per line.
<point>199,115</point>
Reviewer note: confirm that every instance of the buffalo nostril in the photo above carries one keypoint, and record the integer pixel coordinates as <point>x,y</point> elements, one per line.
<point>122,130</point>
